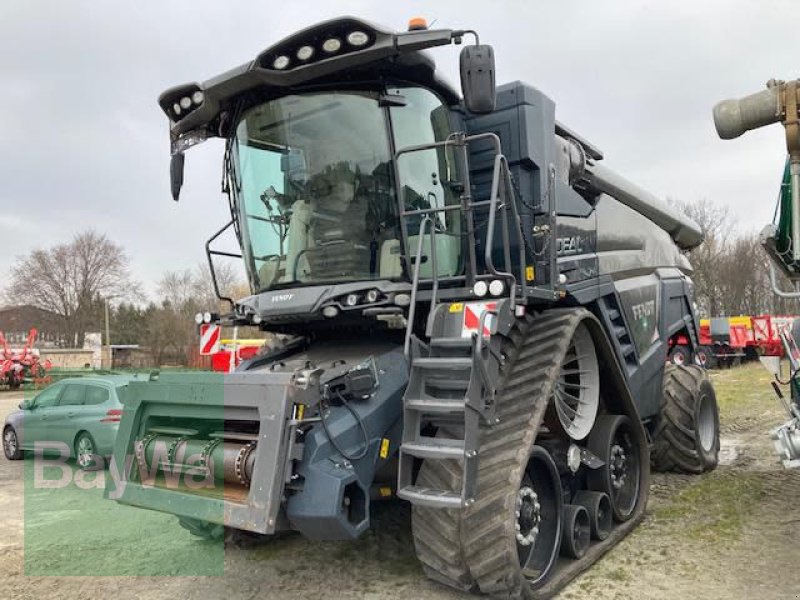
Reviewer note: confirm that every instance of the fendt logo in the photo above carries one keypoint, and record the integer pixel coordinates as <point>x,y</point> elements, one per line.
<point>644,310</point>
<point>282,297</point>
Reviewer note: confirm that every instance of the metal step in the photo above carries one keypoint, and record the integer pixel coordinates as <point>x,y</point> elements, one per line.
<point>435,448</point>
<point>427,497</point>
<point>620,332</point>
<point>436,405</point>
<point>627,350</point>
<point>455,364</point>
<point>613,314</point>
<point>451,342</point>
<point>447,384</point>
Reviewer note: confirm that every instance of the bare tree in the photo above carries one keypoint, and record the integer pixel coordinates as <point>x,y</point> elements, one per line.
<point>72,280</point>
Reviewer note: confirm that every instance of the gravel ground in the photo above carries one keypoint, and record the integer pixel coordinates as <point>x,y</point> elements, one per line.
<point>723,535</point>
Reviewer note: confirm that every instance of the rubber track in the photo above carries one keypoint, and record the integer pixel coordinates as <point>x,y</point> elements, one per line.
<point>674,438</point>
<point>534,354</point>
<point>437,531</point>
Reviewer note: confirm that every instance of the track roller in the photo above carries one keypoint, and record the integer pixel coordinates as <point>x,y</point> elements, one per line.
<point>577,531</point>
<point>615,443</point>
<point>598,505</point>
<point>539,516</point>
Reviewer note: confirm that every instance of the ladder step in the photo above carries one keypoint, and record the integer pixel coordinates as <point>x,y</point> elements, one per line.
<point>451,384</point>
<point>620,332</point>
<point>435,448</point>
<point>428,497</point>
<point>613,314</point>
<point>437,405</point>
<point>460,364</point>
<point>451,342</point>
<point>627,350</point>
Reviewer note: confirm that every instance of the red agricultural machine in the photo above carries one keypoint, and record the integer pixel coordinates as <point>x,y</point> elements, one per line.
<point>20,366</point>
<point>727,341</point>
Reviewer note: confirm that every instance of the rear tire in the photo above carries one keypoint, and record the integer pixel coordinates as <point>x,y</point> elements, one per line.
<point>687,434</point>
<point>11,444</point>
<point>680,355</point>
<point>86,455</point>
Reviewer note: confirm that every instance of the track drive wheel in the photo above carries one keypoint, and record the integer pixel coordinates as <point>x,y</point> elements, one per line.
<point>614,441</point>
<point>687,435</point>
<point>515,477</point>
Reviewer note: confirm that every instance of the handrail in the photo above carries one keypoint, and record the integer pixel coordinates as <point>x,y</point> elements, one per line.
<point>412,309</point>
<point>508,202</point>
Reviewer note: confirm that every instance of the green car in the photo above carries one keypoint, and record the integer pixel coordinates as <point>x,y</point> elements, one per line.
<point>79,416</point>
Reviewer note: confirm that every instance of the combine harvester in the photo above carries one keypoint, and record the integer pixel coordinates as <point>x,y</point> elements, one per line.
<point>18,366</point>
<point>779,103</point>
<point>476,316</point>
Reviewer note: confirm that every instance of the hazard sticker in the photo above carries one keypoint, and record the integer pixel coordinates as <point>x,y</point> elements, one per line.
<point>472,318</point>
<point>209,339</point>
<point>456,307</point>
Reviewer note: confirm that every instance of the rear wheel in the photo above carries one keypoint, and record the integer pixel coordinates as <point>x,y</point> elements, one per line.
<point>86,452</point>
<point>687,435</point>
<point>680,355</point>
<point>11,444</point>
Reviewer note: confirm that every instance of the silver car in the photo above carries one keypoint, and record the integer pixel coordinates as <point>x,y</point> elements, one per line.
<point>82,415</point>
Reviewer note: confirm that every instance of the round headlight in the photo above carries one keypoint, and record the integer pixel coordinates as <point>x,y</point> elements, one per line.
<point>207,317</point>
<point>186,102</point>
<point>176,108</point>
<point>330,312</point>
<point>305,52</point>
<point>372,296</point>
<point>256,319</point>
<point>496,287</point>
<point>351,300</point>
<point>357,38</point>
<point>332,45</point>
<point>402,299</point>
<point>280,63</point>
<point>198,318</point>
<point>480,289</point>
<point>198,97</point>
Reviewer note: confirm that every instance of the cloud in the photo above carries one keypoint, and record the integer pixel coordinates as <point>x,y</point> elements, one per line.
<point>84,143</point>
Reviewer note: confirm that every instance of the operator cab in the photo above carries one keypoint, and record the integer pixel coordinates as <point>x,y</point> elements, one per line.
<point>316,185</point>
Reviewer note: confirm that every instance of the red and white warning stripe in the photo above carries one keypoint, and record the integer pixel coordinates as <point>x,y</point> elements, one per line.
<point>209,339</point>
<point>472,318</point>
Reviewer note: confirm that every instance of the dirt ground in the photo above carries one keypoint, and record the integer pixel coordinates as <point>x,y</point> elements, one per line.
<point>732,533</point>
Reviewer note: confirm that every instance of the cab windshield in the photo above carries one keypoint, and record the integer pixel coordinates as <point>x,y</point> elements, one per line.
<point>315,187</point>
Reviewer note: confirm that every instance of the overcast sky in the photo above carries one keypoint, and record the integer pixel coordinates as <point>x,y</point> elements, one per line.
<point>83,143</point>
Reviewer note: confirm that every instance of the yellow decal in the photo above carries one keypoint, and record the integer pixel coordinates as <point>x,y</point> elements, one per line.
<point>385,491</point>
<point>530,274</point>
<point>457,307</point>
<point>384,448</point>
<point>299,411</point>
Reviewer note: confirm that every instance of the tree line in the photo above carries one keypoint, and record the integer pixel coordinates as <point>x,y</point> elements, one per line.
<point>75,281</point>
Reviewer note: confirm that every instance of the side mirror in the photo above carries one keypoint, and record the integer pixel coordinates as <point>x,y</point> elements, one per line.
<point>176,174</point>
<point>477,78</point>
<point>26,405</point>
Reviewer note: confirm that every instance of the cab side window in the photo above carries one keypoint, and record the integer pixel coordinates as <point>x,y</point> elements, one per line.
<point>73,395</point>
<point>95,395</point>
<point>49,397</point>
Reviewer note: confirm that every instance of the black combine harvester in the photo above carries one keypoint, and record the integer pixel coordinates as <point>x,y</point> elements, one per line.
<point>475,316</point>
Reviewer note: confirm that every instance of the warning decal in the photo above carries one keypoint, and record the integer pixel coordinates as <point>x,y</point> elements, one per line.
<point>472,318</point>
